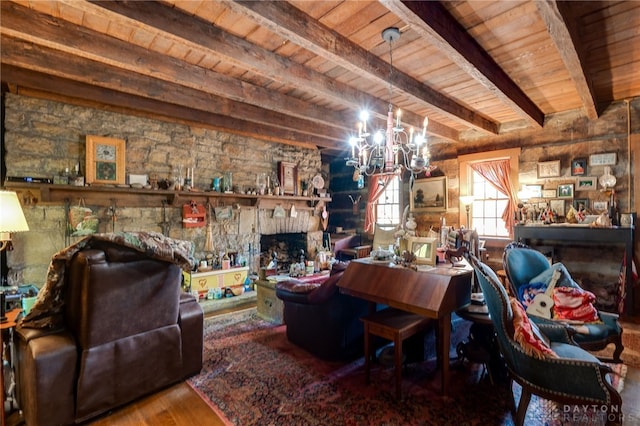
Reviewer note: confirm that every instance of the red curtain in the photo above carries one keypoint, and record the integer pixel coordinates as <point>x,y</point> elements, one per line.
<point>498,174</point>
<point>377,185</point>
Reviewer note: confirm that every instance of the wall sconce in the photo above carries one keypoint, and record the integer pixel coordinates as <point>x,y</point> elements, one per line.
<point>11,217</point>
<point>466,201</point>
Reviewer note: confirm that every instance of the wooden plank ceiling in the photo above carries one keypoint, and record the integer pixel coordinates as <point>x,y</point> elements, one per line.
<point>299,72</point>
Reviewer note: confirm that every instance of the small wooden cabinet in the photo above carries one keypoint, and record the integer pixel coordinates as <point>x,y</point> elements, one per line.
<point>219,278</point>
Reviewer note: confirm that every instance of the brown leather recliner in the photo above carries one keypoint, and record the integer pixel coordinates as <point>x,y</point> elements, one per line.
<point>128,332</point>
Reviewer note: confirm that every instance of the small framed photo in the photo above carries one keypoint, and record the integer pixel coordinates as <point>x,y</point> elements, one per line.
<point>105,160</point>
<point>424,249</point>
<point>600,206</point>
<point>579,167</point>
<point>429,195</point>
<point>549,193</point>
<point>549,169</point>
<point>580,203</point>
<point>557,206</point>
<point>604,159</point>
<point>565,190</point>
<point>587,183</point>
<point>288,176</point>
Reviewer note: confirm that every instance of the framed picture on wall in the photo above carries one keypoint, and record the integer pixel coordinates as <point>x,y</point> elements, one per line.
<point>548,169</point>
<point>600,206</point>
<point>429,195</point>
<point>105,160</point>
<point>288,176</point>
<point>565,190</point>
<point>579,167</point>
<point>587,183</point>
<point>580,203</point>
<point>604,159</point>
<point>532,191</point>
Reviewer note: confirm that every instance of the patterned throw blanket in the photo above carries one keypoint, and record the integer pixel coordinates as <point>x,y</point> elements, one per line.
<point>48,309</point>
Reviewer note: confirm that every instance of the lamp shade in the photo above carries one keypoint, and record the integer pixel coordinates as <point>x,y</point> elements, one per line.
<point>11,216</point>
<point>467,199</point>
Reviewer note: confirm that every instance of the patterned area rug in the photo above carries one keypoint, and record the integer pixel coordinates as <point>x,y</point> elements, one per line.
<point>252,375</point>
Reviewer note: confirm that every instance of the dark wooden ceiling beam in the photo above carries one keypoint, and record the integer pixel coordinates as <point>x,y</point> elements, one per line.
<point>39,58</point>
<point>291,23</point>
<point>433,22</point>
<point>45,86</point>
<point>562,28</point>
<point>53,32</point>
<point>237,51</point>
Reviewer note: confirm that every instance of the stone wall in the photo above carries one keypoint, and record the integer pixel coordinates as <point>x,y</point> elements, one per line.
<point>42,138</point>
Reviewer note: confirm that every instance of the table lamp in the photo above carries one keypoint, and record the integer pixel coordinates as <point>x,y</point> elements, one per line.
<point>467,200</point>
<point>11,220</point>
<point>11,217</point>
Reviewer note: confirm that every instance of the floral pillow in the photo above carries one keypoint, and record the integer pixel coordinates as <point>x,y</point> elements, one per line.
<point>527,334</point>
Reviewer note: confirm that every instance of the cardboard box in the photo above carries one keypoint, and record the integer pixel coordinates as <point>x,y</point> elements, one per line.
<point>219,278</point>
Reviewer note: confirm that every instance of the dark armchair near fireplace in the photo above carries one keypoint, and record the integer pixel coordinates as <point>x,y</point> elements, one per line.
<point>322,320</point>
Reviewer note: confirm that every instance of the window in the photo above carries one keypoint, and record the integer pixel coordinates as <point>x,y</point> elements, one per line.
<point>489,204</point>
<point>487,208</point>
<point>388,206</point>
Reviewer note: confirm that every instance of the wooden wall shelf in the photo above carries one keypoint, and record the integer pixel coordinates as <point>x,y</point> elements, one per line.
<point>132,197</point>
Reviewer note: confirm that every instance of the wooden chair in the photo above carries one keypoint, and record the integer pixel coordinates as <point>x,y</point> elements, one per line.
<point>395,325</point>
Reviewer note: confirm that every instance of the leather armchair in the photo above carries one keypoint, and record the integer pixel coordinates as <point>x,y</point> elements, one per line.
<point>573,377</point>
<point>322,320</point>
<point>522,263</point>
<point>127,331</point>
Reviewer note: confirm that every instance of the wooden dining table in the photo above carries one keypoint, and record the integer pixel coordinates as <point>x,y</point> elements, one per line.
<point>432,291</point>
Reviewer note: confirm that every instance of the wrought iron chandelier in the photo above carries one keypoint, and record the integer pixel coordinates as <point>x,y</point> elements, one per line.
<point>392,149</point>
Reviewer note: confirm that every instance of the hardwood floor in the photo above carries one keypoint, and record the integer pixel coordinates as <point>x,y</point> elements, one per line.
<point>178,405</point>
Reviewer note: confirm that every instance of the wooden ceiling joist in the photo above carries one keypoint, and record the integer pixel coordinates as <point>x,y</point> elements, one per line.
<point>240,52</point>
<point>289,22</point>
<point>434,23</point>
<point>563,33</point>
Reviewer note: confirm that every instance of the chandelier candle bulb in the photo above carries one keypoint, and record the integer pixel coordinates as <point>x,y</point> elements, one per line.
<point>398,118</point>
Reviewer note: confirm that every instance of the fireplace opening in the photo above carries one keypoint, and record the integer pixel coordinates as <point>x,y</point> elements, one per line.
<point>285,248</point>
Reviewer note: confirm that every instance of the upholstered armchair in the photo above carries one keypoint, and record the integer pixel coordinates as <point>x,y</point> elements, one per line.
<point>111,325</point>
<point>322,320</point>
<point>552,366</point>
<point>522,264</point>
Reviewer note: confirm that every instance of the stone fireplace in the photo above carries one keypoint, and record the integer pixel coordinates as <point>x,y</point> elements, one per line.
<point>285,229</point>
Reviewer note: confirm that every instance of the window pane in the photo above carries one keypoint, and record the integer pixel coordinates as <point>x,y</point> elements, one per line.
<point>488,207</point>
<point>388,209</point>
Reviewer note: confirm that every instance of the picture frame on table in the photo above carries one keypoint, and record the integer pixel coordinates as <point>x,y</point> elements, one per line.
<point>587,183</point>
<point>603,159</point>
<point>429,195</point>
<point>423,248</point>
<point>579,167</point>
<point>548,169</point>
<point>105,160</point>
<point>558,207</point>
<point>288,176</point>
<point>565,190</point>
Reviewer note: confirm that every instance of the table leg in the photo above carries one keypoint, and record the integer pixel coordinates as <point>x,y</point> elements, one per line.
<point>443,343</point>
<point>367,354</point>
